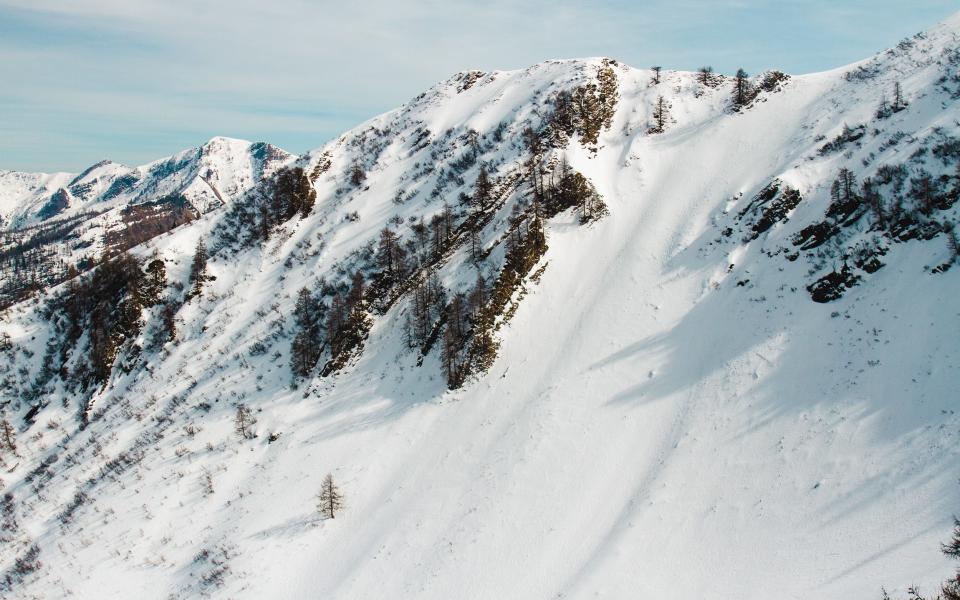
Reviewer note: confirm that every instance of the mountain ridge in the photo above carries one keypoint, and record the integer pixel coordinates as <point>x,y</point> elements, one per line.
<point>706,386</point>
<point>18,206</point>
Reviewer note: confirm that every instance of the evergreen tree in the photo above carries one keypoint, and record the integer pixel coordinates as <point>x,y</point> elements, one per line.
<point>243,422</point>
<point>661,115</point>
<point>478,295</point>
<point>391,257</point>
<point>898,103</point>
<point>844,187</point>
<point>264,225</point>
<point>924,192</point>
<point>155,283</point>
<point>292,194</point>
<point>198,270</point>
<point>8,518</point>
<point>951,589</point>
<point>953,244</point>
<point>357,174</point>
<point>348,320</point>
<point>109,306</point>
<point>456,336</point>
<point>168,315</point>
<point>421,319</point>
<point>451,356</point>
<point>357,289</point>
<point>427,302</point>
<point>483,189</point>
<point>705,76</point>
<point>306,195</point>
<point>883,111</point>
<point>742,91</point>
<point>330,499</point>
<point>305,349</point>
<point>607,93</point>
<point>476,246</point>
<point>8,437</point>
<point>421,234</point>
<point>952,548</point>
<point>874,200</point>
<point>441,229</point>
<point>458,316</point>
<point>655,79</point>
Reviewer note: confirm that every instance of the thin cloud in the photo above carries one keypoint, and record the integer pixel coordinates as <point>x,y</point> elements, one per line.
<point>299,73</point>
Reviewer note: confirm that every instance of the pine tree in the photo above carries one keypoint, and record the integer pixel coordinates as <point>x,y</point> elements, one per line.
<point>357,289</point>
<point>198,270</point>
<point>898,103</point>
<point>348,321</point>
<point>155,282</point>
<point>742,91</point>
<point>607,93</point>
<point>308,195</point>
<point>292,194</point>
<point>421,234</point>
<point>478,295</point>
<point>8,518</point>
<point>390,254</point>
<point>263,223</point>
<point>243,422</point>
<point>661,115</point>
<point>409,334</point>
<point>874,200</point>
<point>924,192</point>
<point>8,437</point>
<point>848,184</point>
<point>952,548</point>
<point>476,246</point>
<point>482,189</point>
<point>457,316</point>
<point>305,349</point>
<point>329,500</point>
<point>168,315</point>
<point>883,111</point>
<point>420,321</point>
<point>951,588</point>
<point>530,138</point>
<point>953,244</point>
<point>705,76</point>
<point>441,228</point>
<point>357,174</point>
<point>451,358</point>
<point>536,240</point>
<point>842,191</point>
<point>655,79</point>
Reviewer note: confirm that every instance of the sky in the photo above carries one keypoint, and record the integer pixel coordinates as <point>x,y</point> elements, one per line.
<point>137,80</point>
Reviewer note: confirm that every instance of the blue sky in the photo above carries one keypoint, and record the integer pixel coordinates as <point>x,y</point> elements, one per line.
<point>135,80</point>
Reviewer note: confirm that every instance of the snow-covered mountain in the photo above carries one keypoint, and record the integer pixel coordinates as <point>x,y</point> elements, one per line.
<point>52,223</point>
<point>579,330</point>
<point>206,176</point>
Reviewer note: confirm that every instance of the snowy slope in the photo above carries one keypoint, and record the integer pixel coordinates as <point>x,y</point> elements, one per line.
<point>54,224</point>
<point>670,413</point>
<point>27,188</point>
<point>220,169</point>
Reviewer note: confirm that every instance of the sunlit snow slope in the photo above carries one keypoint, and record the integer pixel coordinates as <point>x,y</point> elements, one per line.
<point>670,414</point>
